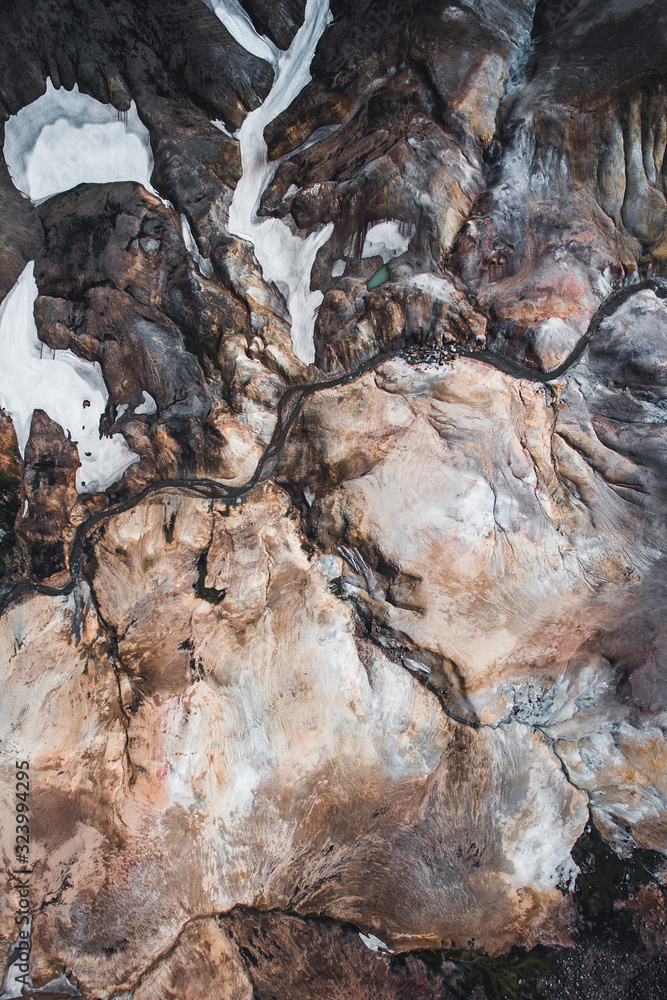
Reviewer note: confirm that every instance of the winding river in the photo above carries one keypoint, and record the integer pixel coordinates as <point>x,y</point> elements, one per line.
<point>289,407</point>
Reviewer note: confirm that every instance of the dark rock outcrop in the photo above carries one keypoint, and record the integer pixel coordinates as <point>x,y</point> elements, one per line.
<point>176,61</point>
<point>117,286</point>
<point>115,51</point>
<point>279,22</point>
<point>49,487</point>
<point>287,958</point>
<point>21,235</point>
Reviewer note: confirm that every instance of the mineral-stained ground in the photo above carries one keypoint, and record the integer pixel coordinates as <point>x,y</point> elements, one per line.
<point>336,658</point>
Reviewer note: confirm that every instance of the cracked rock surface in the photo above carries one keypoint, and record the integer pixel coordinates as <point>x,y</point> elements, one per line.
<point>395,715</point>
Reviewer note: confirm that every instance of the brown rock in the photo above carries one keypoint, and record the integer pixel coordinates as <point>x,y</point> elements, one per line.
<point>186,50</point>
<point>387,694</point>
<point>250,723</point>
<point>49,488</point>
<point>118,287</point>
<point>412,309</point>
<point>293,959</point>
<point>204,964</point>
<point>11,468</point>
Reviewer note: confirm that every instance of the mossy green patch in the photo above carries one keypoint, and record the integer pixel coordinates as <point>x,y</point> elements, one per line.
<point>506,977</point>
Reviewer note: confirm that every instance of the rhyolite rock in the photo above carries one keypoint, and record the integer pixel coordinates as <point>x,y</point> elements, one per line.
<point>231,709</point>
<point>387,691</point>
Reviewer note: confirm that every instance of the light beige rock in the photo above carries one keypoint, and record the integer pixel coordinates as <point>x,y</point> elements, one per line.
<point>204,964</point>
<point>260,751</point>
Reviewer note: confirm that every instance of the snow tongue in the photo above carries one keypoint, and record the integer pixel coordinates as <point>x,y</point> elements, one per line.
<point>285,258</point>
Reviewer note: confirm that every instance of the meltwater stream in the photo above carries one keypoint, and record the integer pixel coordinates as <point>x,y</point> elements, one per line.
<point>285,258</point>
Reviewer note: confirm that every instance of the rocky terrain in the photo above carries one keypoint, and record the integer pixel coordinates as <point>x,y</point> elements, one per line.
<point>346,678</point>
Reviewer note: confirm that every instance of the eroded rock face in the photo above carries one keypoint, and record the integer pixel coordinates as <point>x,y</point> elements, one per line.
<point>279,23</point>
<point>204,963</point>
<point>117,285</point>
<point>385,690</point>
<point>331,958</point>
<point>411,95</point>
<point>10,498</point>
<point>50,496</point>
<point>191,386</point>
<point>336,776</point>
<point>22,233</point>
<point>576,195</point>
<point>477,502</point>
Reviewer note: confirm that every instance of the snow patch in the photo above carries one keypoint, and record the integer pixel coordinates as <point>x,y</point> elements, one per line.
<point>374,943</point>
<point>149,406</point>
<point>71,391</point>
<point>414,665</point>
<point>387,239</point>
<point>338,268</point>
<point>65,138</point>
<point>220,125</point>
<point>285,258</point>
<point>605,283</point>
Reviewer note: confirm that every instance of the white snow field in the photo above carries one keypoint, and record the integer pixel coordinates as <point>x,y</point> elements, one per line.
<point>386,240</point>
<point>285,258</point>
<point>71,391</point>
<point>65,138</point>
